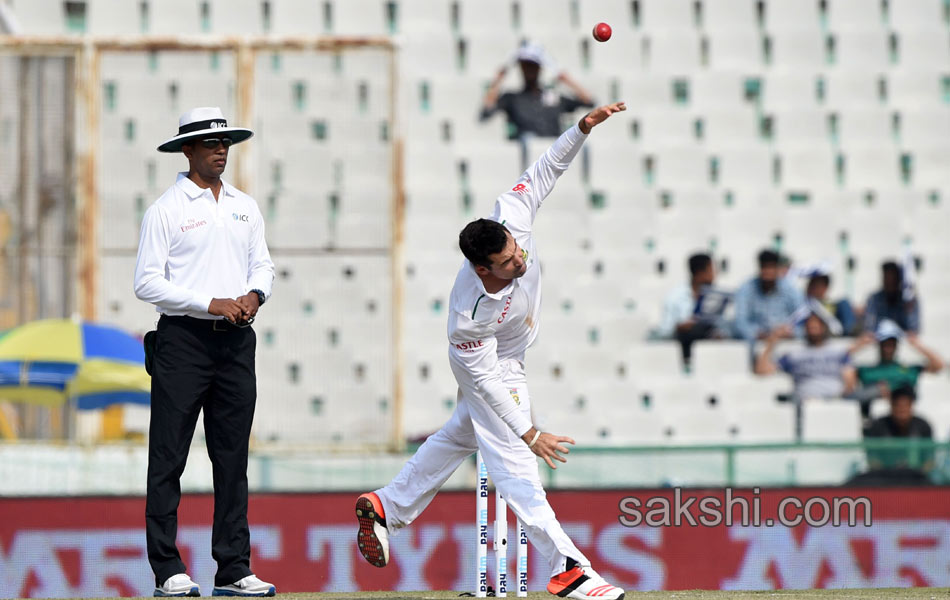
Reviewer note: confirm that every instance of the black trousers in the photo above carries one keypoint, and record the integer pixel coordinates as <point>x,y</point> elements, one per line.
<point>200,364</point>
<point>699,331</point>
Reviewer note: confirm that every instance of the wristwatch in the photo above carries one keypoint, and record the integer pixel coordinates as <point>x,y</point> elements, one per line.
<point>260,297</point>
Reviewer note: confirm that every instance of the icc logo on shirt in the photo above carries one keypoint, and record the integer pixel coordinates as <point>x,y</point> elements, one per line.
<point>238,217</point>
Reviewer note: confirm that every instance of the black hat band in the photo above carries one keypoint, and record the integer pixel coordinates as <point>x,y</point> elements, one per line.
<point>201,125</point>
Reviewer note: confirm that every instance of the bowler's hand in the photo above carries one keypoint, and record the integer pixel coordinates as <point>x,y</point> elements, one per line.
<point>250,303</point>
<point>549,446</point>
<point>230,309</point>
<point>599,115</point>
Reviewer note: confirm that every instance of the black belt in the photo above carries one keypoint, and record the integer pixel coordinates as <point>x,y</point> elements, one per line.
<point>212,324</point>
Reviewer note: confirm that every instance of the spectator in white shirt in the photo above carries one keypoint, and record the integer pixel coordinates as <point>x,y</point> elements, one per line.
<point>684,318</point>
<point>819,369</point>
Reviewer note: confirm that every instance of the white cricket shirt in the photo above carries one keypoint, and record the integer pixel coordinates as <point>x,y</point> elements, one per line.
<point>193,249</point>
<point>485,328</point>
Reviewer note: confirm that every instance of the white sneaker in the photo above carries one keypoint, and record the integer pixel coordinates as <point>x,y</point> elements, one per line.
<point>583,583</point>
<point>248,586</point>
<point>178,585</point>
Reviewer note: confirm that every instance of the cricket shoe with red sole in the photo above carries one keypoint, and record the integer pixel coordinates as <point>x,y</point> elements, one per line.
<point>373,537</point>
<point>583,584</point>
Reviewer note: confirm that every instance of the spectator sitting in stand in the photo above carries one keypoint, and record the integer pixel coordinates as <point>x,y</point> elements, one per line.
<point>892,302</point>
<point>765,304</point>
<point>901,423</point>
<point>819,280</point>
<point>819,370</point>
<point>693,311</point>
<point>889,374</point>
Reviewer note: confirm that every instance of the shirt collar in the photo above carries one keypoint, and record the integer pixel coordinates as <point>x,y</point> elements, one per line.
<point>192,190</point>
<point>481,284</point>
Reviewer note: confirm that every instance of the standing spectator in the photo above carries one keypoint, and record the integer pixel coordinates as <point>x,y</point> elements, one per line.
<point>817,289</point>
<point>901,423</point>
<point>204,264</point>
<point>819,370</point>
<point>765,304</point>
<point>533,111</point>
<point>890,302</point>
<point>693,311</point>
<point>889,374</point>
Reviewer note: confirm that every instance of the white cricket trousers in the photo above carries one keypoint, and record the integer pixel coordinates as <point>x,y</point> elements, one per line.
<point>511,465</point>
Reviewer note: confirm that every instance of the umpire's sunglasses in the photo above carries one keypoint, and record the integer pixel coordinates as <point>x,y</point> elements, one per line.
<point>212,143</point>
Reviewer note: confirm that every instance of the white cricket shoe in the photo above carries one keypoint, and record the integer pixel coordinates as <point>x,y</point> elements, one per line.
<point>248,586</point>
<point>373,537</point>
<point>582,583</point>
<point>178,585</point>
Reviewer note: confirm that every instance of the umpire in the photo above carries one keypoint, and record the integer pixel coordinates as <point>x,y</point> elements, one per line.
<point>203,262</point>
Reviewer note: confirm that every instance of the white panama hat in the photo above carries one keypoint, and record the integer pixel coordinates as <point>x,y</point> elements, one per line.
<point>200,122</point>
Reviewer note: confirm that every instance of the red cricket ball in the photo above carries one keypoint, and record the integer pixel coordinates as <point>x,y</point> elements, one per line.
<point>602,32</point>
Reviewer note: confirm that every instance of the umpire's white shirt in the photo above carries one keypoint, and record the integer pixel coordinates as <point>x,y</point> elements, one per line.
<point>485,329</point>
<point>193,249</point>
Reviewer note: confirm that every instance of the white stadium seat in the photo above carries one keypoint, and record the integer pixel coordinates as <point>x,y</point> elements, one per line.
<point>681,166</point>
<point>769,422</point>
<point>359,17</point>
<point>848,89</point>
<point>829,421</point>
<point>731,127</point>
<point>676,52</point>
<point>873,166</point>
<point>665,126</point>
<point>736,49</point>
<point>866,127</point>
<point>801,49</point>
<point>420,17</point>
<point>930,166</point>
<point>666,14</point>
<point>797,126</point>
<point>792,14</point>
<point>861,48</point>
<point>923,127</point>
<point>111,17</point>
<point>717,90</point>
<point>790,89</point>
<point>228,16</point>
<point>921,13</point>
<point>717,358</point>
<point>806,168</point>
<point>924,47</point>
<point>698,426</point>
<point>721,15</point>
<point>851,13</point>
<point>746,167</point>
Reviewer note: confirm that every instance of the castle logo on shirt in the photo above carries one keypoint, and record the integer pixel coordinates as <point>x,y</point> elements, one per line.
<point>192,224</point>
<point>469,346</point>
<point>504,311</point>
<point>238,217</point>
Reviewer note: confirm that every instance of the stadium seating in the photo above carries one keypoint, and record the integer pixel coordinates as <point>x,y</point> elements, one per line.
<point>820,126</point>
